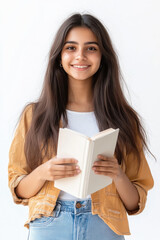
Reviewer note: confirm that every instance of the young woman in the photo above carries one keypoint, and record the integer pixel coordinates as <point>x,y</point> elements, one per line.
<point>81,91</point>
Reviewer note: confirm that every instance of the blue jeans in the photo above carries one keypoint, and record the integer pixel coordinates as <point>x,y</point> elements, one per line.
<point>71,220</point>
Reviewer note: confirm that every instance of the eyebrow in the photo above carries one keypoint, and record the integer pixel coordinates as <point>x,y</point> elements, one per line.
<point>86,43</point>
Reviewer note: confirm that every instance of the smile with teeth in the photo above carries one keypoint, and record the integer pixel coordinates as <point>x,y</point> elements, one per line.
<point>80,66</point>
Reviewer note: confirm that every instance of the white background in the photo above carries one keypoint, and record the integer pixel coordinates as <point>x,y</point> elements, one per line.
<point>27,30</point>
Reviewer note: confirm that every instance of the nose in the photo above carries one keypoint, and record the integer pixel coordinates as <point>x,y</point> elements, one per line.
<point>80,55</point>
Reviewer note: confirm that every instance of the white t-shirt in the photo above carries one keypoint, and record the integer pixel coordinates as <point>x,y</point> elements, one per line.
<point>85,123</point>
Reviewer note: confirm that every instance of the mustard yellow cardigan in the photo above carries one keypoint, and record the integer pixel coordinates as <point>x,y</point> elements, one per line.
<point>105,202</point>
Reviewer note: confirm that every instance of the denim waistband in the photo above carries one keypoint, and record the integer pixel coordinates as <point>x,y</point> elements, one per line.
<point>73,206</point>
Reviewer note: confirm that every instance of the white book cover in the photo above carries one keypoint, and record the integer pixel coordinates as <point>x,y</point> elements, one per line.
<point>72,144</point>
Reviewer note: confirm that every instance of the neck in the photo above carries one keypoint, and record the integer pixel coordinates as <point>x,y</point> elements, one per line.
<point>80,95</point>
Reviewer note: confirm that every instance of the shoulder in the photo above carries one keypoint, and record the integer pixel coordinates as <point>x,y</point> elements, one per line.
<point>25,119</point>
<point>27,111</point>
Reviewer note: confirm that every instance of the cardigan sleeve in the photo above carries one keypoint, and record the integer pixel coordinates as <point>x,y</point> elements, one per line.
<point>17,167</point>
<point>141,178</point>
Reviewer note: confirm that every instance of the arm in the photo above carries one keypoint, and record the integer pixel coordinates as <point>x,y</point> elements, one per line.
<point>133,184</point>
<point>22,183</point>
<point>51,170</point>
<point>126,190</point>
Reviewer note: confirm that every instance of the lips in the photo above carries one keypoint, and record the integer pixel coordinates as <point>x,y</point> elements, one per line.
<point>80,67</point>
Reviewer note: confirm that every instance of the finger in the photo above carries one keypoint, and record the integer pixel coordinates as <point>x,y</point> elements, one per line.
<point>105,163</point>
<point>106,169</point>
<point>64,176</point>
<point>102,157</point>
<point>64,160</point>
<point>62,173</point>
<point>65,167</point>
<point>109,174</point>
<point>103,169</point>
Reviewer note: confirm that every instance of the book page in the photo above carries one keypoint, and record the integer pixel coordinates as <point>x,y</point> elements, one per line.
<point>71,145</point>
<point>102,133</point>
<point>105,146</point>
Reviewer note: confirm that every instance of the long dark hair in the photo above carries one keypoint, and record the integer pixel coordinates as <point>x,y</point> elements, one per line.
<point>110,106</point>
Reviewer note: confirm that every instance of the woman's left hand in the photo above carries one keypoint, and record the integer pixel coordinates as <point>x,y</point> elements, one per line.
<point>128,193</point>
<point>108,166</point>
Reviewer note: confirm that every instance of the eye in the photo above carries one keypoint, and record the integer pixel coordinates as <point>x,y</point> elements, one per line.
<point>92,48</point>
<point>70,48</point>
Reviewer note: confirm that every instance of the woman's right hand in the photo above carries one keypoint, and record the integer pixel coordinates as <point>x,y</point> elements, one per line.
<point>53,169</point>
<point>57,168</point>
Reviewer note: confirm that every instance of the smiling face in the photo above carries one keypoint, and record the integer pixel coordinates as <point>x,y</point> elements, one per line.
<point>80,55</point>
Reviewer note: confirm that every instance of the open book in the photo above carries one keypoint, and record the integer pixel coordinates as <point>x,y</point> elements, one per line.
<point>72,144</point>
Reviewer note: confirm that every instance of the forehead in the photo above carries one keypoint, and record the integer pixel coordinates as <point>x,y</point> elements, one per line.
<point>81,34</point>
